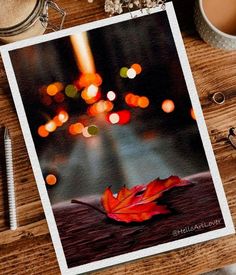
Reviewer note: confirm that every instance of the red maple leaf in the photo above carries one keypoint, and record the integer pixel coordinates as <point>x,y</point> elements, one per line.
<point>138,203</point>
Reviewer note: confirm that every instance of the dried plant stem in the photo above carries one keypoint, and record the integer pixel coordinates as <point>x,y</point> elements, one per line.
<point>89,205</point>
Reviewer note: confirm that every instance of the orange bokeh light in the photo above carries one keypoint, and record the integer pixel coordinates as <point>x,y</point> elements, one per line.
<point>52,89</point>
<point>42,131</point>
<point>57,121</point>
<point>143,102</point>
<point>87,79</point>
<point>59,86</point>
<point>63,116</point>
<point>128,98</point>
<point>132,100</point>
<point>76,128</point>
<point>51,126</point>
<point>137,68</point>
<point>168,106</point>
<point>51,179</point>
<point>192,113</point>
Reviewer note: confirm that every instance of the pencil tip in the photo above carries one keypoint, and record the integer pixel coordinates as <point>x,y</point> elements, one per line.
<point>6,133</point>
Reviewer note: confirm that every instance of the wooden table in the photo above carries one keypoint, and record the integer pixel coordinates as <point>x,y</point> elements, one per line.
<point>29,250</point>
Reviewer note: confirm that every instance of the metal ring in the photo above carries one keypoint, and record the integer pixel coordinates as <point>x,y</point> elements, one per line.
<point>218,98</point>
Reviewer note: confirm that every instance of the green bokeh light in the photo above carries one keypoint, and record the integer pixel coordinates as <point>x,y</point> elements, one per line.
<point>123,72</point>
<point>93,130</point>
<point>71,91</point>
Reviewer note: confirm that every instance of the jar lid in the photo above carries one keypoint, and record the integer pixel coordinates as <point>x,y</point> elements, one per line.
<point>16,12</point>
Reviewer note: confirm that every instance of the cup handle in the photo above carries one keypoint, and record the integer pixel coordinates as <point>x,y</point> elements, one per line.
<point>44,18</point>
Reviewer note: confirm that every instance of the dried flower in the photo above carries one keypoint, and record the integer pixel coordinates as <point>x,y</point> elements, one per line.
<point>118,6</point>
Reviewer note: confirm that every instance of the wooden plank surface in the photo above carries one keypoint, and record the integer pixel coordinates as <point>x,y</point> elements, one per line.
<point>107,238</point>
<point>29,249</point>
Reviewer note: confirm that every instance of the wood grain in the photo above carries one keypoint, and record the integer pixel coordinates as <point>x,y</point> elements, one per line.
<point>29,249</point>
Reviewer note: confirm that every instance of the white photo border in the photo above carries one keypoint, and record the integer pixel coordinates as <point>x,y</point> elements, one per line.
<point>229,226</point>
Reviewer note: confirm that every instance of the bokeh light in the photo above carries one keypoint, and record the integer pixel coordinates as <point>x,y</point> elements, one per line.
<point>52,89</point>
<point>124,116</point>
<point>123,72</point>
<point>51,126</point>
<point>137,67</point>
<point>92,91</point>
<point>51,179</point>
<point>59,85</point>
<point>86,133</point>
<point>100,107</point>
<point>87,79</point>
<point>132,100</point>
<point>131,73</point>
<point>111,95</point>
<point>114,118</point>
<point>143,102</point>
<point>63,116</point>
<point>192,113</point>
<point>93,130</point>
<point>71,91</point>
<point>59,97</point>
<point>57,121</point>
<point>168,106</point>
<point>42,131</point>
<point>76,128</point>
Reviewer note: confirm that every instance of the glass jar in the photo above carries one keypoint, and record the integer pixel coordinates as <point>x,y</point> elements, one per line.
<point>23,19</point>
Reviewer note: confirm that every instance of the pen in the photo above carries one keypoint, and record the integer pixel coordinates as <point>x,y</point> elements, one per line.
<point>10,180</point>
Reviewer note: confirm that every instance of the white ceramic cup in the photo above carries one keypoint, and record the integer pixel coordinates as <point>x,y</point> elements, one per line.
<point>209,33</point>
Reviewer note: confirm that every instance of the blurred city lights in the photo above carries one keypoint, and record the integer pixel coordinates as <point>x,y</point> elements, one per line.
<point>192,113</point>
<point>137,68</point>
<point>51,126</point>
<point>42,131</point>
<point>131,73</point>
<point>71,90</point>
<point>168,106</point>
<point>63,116</point>
<point>111,95</point>
<point>123,72</point>
<point>51,179</point>
<point>114,118</point>
<point>143,102</point>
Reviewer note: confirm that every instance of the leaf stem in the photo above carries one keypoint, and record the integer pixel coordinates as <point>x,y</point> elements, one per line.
<point>89,205</point>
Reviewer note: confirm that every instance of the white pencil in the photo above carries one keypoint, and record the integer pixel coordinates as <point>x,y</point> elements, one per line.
<point>10,180</point>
